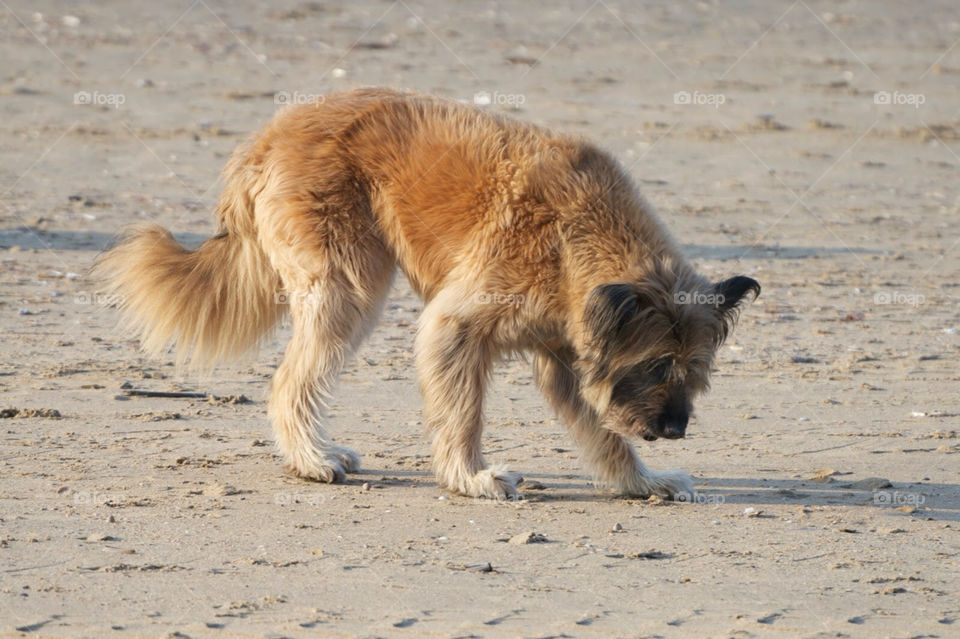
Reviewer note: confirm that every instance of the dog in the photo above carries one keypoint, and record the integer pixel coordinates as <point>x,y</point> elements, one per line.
<point>517,239</point>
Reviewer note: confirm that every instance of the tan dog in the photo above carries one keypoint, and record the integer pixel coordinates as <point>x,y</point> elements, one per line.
<point>516,238</point>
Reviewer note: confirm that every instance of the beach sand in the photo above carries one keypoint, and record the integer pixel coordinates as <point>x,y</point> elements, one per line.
<point>813,146</point>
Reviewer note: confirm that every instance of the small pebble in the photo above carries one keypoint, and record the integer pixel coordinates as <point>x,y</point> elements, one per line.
<point>529,537</point>
<point>220,490</point>
<point>486,567</point>
<point>100,537</point>
<point>871,483</point>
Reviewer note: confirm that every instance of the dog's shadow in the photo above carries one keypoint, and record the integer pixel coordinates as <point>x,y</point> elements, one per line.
<point>927,500</point>
<point>758,251</point>
<point>27,237</point>
<point>32,237</point>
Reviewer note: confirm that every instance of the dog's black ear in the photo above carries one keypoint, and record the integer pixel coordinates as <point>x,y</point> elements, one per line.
<point>730,292</point>
<point>610,309</point>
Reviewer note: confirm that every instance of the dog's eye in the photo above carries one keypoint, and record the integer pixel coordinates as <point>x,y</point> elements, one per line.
<point>660,370</point>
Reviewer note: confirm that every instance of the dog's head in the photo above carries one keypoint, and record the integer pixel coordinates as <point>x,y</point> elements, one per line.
<point>650,349</point>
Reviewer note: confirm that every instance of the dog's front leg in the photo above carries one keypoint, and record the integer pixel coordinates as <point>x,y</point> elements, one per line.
<point>453,362</point>
<point>607,454</point>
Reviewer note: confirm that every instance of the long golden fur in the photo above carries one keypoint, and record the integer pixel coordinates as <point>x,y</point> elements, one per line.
<point>516,238</point>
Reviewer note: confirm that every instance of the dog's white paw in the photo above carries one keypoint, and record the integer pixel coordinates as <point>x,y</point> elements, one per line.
<point>348,458</point>
<point>493,483</point>
<point>673,484</point>
<point>330,466</point>
<point>668,484</point>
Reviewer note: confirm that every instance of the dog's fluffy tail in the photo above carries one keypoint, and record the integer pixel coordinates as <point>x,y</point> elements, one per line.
<point>214,303</point>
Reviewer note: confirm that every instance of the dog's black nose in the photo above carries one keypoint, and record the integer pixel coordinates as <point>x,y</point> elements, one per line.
<point>675,430</point>
<point>673,426</point>
<point>673,418</point>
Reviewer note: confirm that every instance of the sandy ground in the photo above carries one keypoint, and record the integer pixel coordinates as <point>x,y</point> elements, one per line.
<point>812,145</point>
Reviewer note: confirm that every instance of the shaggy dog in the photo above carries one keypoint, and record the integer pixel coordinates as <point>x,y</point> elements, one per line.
<point>516,238</point>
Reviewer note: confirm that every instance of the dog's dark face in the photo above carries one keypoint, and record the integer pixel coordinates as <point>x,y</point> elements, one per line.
<point>651,350</point>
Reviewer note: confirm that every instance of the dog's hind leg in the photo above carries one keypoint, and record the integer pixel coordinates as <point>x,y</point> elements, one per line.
<point>607,454</point>
<point>335,293</point>
<point>453,362</point>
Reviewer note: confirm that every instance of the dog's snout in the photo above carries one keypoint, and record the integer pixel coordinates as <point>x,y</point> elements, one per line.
<point>673,425</point>
<point>675,430</point>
